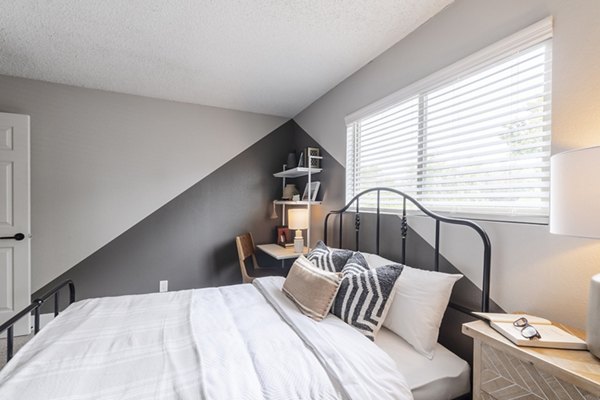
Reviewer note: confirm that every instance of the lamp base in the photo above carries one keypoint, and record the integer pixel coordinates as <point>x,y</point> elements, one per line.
<point>298,242</point>
<point>593,323</point>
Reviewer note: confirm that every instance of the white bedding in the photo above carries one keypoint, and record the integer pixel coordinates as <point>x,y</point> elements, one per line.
<point>445,376</point>
<point>235,342</point>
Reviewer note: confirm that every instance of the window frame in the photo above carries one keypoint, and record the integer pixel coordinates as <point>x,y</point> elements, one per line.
<point>525,39</point>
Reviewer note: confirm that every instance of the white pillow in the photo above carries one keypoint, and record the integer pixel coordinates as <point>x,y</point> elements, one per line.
<point>419,303</point>
<point>418,307</point>
<point>376,261</point>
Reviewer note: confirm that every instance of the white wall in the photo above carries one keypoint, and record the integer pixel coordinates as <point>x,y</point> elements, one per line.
<point>532,270</point>
<point>102,161</point>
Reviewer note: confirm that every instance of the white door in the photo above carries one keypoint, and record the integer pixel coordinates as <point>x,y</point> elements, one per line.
<point>15,286</point>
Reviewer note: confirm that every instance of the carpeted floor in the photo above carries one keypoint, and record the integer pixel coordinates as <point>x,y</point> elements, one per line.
<point>17,344</point>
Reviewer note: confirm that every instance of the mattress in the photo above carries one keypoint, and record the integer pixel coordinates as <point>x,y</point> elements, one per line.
<point>446,376</point>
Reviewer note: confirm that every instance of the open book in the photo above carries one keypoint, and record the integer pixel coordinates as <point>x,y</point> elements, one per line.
<point>551,335</point>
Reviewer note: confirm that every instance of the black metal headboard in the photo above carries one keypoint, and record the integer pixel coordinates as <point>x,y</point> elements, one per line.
<point>487,247</point>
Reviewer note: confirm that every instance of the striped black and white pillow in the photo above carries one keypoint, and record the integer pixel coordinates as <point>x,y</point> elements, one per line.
<point>365,295</point>
<point>332,260</point>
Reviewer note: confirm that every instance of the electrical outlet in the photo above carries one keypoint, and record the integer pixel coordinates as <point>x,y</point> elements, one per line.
<point>163,286</point>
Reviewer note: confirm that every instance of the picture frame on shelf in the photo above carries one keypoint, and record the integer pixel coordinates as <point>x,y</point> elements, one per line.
<point>314,190</point>
<point>312,151</point>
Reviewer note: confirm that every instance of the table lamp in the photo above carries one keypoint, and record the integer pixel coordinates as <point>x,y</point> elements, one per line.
<point>575,211</point>
<point>298,220</point>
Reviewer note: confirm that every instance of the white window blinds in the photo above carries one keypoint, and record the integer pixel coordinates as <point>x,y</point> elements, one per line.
<point>472,139</point>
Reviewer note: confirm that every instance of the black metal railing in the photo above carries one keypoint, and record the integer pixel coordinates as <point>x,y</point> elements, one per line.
<point>35,305</point>
<point>487,247</point>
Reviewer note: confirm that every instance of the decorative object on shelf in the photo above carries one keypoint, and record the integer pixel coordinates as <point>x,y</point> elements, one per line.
<point>296,197</point>
<point>291,160</point>
<point>284,236</point>
<point>575,211</point>
<point>298,220</point>
<point>289,191</point>
<point>312,151</point>
<point>274,211</point>
<point>301,161</point>
<point>314,189</point>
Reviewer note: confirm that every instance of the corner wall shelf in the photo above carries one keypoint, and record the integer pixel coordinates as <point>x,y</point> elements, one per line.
<point>297,172</point>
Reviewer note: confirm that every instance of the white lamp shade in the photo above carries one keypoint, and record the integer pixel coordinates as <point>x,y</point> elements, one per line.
<point>575,193</point>
<point>298,218</point>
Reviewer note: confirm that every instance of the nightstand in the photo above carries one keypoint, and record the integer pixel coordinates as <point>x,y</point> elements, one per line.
<point>502,370</point>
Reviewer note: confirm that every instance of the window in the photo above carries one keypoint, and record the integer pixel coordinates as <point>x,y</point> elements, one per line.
<point>472,139</point>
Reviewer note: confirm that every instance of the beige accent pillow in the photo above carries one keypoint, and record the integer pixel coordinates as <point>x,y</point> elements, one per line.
<point>311,288</point>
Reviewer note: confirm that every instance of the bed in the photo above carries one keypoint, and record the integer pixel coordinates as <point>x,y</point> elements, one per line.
<point>246,341</point>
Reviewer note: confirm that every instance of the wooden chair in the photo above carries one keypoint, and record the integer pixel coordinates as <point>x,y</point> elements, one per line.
<point>246,249</point>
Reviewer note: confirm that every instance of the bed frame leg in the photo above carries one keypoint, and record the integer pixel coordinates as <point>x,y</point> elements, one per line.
<point>9,343</point>
<point>56,301</point>
<point>36,321</point>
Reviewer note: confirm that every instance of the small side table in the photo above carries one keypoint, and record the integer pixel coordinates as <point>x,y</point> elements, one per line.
<point>502,370</point>
<point>280,253</point>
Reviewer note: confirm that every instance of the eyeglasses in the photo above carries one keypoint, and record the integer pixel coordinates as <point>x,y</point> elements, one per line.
<point>528,331</point>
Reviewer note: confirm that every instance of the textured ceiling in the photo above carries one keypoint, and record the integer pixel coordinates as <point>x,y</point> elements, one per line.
<point>270,56</point>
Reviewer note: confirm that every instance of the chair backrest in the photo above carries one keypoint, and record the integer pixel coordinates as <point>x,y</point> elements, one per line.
<point>245,248</point>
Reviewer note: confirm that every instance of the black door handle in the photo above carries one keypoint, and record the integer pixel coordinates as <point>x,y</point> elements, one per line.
<point>18,236</point>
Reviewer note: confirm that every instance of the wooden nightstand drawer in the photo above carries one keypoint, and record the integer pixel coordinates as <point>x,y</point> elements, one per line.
<point>506,377</point>
<point>503,371</point>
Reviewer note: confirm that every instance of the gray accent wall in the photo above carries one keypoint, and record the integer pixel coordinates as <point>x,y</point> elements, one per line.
<point>101,161</point>
<point>190,240</point>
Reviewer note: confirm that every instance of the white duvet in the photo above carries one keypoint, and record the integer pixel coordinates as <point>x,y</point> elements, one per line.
<point>234,342</point>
